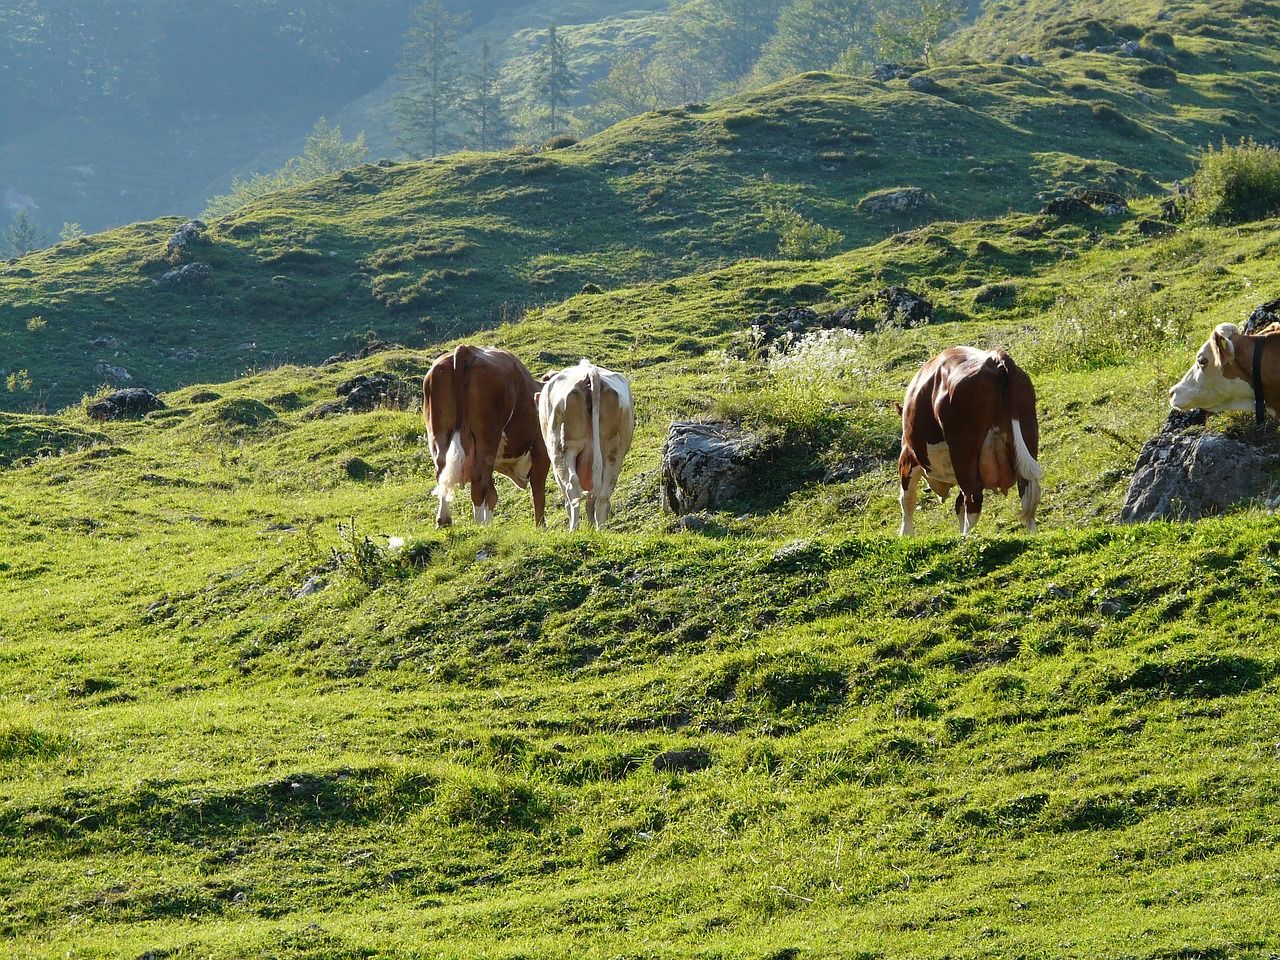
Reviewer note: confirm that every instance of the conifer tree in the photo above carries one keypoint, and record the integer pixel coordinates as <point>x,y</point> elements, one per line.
<point>553,80</point>
<point>21,238</point>
<point>482,103</point>
<point>432,77</point>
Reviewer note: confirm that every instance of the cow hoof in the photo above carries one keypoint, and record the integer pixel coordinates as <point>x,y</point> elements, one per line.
<point>442,524</point>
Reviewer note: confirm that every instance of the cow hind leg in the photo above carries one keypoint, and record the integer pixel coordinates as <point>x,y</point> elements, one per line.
<point>484,493</point>
<point>909,476</point>
<point>968,509</point>
<point>568,476</point>
<point>448,478</point>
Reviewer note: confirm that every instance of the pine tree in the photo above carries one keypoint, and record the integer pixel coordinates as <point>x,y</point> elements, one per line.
<point>21,238</point>
<point>432,77</point>
<point>482,103</point>
<point>553,80</point>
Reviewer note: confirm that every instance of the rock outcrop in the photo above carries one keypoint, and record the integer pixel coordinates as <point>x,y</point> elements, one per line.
<point>1185,474</point>
<point>706,464</point>
<point>131,404</point>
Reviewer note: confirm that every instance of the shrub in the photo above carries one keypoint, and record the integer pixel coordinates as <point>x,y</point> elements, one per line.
<point>559,142</point>
<point>1236,184</point>
<point>1157,76</point>
<point>799,238</point>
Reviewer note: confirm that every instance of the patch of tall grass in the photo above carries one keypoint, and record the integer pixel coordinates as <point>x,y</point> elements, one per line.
<point>1105,327</point>
<point>1235,184</point>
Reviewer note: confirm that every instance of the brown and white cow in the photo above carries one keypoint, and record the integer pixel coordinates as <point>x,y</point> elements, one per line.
<point>480,412</point>
<point>1233,371</point>
<point>969,420</point>
<point>587,420</point>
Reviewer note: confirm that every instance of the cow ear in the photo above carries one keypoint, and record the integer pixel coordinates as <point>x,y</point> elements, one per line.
<point>1223,347</point>
<point>548,375</point>
<point>537,398</point>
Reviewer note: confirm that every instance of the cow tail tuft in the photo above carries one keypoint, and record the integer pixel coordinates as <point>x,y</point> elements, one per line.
<point>1025,463</point>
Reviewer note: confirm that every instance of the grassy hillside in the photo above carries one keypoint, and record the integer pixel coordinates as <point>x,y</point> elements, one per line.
<point>930,748</point>
<point>420,252</point>
<point>236,722</point>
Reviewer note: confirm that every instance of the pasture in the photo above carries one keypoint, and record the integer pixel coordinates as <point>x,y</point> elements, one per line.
<point>235,723</point>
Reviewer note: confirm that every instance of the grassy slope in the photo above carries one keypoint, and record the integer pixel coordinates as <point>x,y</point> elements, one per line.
<point>1008,746</point>
<point>933,748</point>
<point>422,251</point>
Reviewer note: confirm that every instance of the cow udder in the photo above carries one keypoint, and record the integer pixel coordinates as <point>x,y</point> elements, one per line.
<point>995,462</point>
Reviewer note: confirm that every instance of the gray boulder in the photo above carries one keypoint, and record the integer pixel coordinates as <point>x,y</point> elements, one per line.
<point>192,273</point>
<point>900,200</point>
<point>1185,475</point>
<point>706,464</point>
<point>131,404</point>
<point>187,235</point>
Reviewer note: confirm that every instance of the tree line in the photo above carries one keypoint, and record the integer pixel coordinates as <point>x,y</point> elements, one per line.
<point>699,50</point>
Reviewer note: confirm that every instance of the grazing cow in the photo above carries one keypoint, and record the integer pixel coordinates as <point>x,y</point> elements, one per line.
<point>479,408</point>
<point>587,419</point>
<point>1233,371</point>
<point>969,419</point>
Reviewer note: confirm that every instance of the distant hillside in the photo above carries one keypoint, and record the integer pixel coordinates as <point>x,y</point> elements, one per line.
<point>423,251</point>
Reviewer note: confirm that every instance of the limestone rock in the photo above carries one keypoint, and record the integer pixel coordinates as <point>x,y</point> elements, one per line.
<point>901,200</point>
<point>186,236</point>
<point>188,275</point>
<point>705,464</point>
<point>130,404</point>
<point>1188,475</point>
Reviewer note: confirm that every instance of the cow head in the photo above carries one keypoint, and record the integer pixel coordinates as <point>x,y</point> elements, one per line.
<point>1216,381</point>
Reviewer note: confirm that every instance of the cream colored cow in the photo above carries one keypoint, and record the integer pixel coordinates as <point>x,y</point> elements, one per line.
<point>587,420</point>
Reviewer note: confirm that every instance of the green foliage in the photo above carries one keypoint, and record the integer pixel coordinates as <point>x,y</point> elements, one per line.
<point>325,153</point>
<point>1235,184</point>
<point>21,237</point>
<point>1108,326</point>
<point>915,31</point>
<point>798,237</point>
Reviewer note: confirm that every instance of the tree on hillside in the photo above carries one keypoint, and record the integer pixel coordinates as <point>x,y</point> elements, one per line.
<point>326,152</point>
<point>482,102</point>
<point>635,84</point>
<point>815,35</point>
<point>552,79</point>
<point>720,37</point>
<point>914,31</point>
<point>433,80</point>
<point>22,237</point>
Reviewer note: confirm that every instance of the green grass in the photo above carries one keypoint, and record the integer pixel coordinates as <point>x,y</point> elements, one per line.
<point>235,723</point>
<point>916,748</point>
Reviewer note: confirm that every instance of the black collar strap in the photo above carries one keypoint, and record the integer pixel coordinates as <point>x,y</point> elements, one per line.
<point>1259,403</point>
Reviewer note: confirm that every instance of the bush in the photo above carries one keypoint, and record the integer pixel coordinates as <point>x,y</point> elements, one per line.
<point>1236,184</point>
<point>559,142</point>
<point>798,238</point>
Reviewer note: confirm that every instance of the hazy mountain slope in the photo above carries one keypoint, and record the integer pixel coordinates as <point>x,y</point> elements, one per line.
<point>417,251</point>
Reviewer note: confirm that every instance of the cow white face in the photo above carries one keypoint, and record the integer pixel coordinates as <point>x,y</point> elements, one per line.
<point>1215,381</point>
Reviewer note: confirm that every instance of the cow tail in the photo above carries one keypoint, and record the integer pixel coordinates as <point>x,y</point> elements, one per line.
<point>450,477</point>
<point>1026,465</point>
<point>597,453</point>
